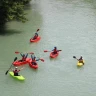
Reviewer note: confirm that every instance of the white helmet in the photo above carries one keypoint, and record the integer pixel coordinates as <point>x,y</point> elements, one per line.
<point>16,67</point>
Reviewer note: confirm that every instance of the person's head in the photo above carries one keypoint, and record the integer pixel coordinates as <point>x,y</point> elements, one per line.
<point>55,47</point>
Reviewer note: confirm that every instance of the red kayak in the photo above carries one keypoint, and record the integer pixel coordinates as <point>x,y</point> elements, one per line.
<point>18,62</point>
<point>33,66</point>
<point>52,55</point>
<point>35,40</point>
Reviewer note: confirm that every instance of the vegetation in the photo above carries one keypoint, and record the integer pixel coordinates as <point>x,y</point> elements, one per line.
<point>12,10</point>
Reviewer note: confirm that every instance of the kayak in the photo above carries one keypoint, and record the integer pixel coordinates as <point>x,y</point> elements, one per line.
<point>17,77</point>
<point>18,62</point>
<point>79,64</point>
<point>33,66</point>
<point>52,55</point>
<point>35,40</point>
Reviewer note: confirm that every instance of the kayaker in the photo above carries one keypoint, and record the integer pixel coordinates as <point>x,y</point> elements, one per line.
<point>24,57</point>
<point>16,70</point>
<point>55,50</point>
<point>81,60</point>
<point>34,60</point>
<point>36,35</point>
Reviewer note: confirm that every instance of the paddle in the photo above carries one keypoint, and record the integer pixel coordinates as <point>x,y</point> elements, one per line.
<point>10,66</point>
<point>37,30</point>
<point>21,52</point>
<point>51,51</point>
<point>75,57</point>
<point>41,60</point>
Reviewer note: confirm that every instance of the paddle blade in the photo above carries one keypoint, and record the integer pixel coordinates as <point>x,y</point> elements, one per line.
<point>74,56</point>
<point>31,53</point>
<point>15,58</point>
<point>6,72</point>
<point>45,51</point>
<point>59,50</point>
<point>17,52</point>
<point>42,60</point>
<point>38,30</point>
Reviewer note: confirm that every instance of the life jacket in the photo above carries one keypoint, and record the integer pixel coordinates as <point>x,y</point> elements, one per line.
<point>33,60</point>
<point>16,71</point>
<point>24,58</point>
<point>35,37</point>
<point>81,61</point>
<point>55,51</point>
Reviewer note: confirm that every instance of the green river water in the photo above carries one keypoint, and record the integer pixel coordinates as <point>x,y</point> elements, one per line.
<point>68,24</point>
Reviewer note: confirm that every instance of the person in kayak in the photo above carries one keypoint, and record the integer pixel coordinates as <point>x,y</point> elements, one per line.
<point>81,60</point>
<point>16,70</point>
<point>34,60</point>
<point>36,35</point>
<point>55,50</point>
<point>24,57</point>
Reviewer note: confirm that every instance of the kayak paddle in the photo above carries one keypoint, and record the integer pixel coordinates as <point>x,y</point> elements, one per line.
<point>42,60</point>
<point>10,66</point>
<point>47,51</point>
<point>51,51</point>
<point>39,58</point>
<point>37,30</point>
<point>75,57</point>
<point>21,52</point>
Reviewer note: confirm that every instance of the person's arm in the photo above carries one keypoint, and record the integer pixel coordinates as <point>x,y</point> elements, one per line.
<point>77,59</point>
<point>52,49</point>
<point>31,57</point>
<point>21,54</point>
<point>37,59</point>
<point>37,34</point>
<point>26,55</point>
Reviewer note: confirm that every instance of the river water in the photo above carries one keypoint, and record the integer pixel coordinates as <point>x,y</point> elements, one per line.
<point>68,24</point>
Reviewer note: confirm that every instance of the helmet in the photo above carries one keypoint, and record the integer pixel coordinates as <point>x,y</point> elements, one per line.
<point>16,67</point>
<point>55,47</point>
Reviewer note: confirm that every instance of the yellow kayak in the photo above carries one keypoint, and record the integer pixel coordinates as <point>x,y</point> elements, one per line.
<point>79,64</point>
<point>17,77</point>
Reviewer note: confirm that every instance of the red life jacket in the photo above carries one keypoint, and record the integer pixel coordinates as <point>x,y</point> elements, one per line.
<point>55,50</point>
<point>33,60</point>
<point>16,71</point>
<point>24,58</point>
<point>35,37</point>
